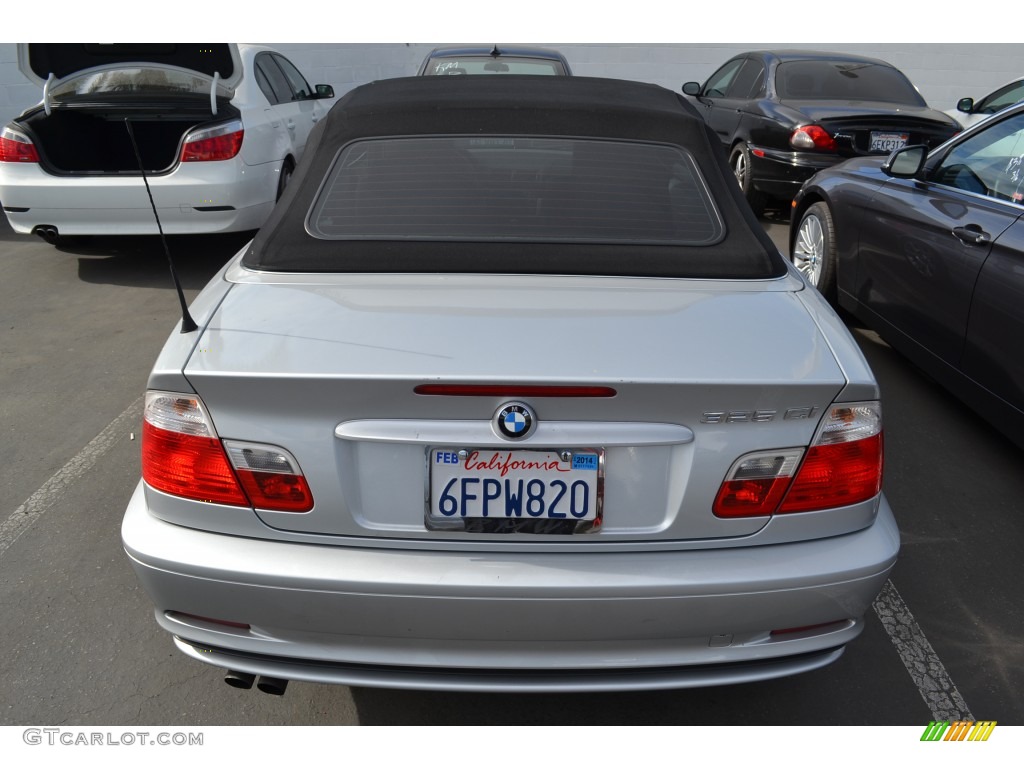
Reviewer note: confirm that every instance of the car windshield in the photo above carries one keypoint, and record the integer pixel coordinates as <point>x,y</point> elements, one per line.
<point>505,188</point>
<point>133,80</point>
<point>1002,98</point>
<point>814,80</point>
<point>991,162</point>
<point>492,65</point>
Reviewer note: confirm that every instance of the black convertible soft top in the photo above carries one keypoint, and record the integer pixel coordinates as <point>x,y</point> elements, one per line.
<point>495,108</point>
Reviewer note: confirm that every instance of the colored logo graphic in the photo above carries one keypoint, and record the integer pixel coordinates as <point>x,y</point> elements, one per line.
<point>958,730</point>
<point>514,420</point>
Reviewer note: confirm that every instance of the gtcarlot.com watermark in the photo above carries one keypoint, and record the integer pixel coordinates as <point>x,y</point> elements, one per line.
<point>71,738</point>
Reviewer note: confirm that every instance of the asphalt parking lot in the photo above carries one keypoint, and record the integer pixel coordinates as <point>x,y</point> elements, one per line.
<point>81,326</point>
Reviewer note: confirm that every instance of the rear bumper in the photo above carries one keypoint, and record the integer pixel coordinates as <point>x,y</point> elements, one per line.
<point>508,621</point>
<point>195,198</point>
<point>511,680</point>
<point>779,173</point>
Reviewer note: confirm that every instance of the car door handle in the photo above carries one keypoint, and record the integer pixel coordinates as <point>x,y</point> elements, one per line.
<point>972,234</point>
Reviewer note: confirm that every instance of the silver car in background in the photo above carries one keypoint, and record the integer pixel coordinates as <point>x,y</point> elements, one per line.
<point>511,393</point>
<point>968,112</point>
<point>492,60</point>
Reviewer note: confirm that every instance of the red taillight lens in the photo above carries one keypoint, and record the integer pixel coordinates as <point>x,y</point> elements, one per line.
<point>182,456</point>
<point>842,467</point>
<point>16,147</point>
<point>809,628</point>
<point>812,137</point>
<point>270,476</point>
<point>189,466</point>
<point>837,475</point>
<point>220,143</point>
<point>756,484</point>
<point>280,493</point>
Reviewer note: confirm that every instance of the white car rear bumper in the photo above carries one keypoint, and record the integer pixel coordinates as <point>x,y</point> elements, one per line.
<point>226,196</point>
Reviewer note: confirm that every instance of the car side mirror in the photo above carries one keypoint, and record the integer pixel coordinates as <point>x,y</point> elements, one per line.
<point>324,91</point>
<point>906,163</point>
<point>691,89</point>
<point>965,105</point>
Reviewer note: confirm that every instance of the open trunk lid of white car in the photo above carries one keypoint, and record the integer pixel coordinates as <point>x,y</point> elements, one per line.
<point>50,65</point>
<point>329,369</point>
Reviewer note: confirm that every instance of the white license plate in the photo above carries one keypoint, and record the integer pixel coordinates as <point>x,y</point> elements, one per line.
<point>515,485</point>
<point>888,142</point>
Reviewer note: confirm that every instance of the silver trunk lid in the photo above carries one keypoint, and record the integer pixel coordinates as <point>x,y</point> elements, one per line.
<point>327,369</point>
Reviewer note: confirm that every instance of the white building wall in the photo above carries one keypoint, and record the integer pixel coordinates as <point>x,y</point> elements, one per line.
<point>942,72</point>
<point>16,92</point>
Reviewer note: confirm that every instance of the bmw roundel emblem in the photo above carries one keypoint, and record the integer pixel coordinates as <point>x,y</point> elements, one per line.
<point>514,421</point>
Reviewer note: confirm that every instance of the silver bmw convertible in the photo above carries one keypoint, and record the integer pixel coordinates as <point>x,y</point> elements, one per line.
<point>511,393</point>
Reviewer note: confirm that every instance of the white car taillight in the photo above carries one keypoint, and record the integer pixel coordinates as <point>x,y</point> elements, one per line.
<point>16,147</point>
<point>843,466</point>
<point>182,456</point>
<point>222,142</point>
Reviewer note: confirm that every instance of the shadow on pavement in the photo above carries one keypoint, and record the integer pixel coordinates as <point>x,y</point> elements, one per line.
<point>141,261</point>
<point>6,233</point>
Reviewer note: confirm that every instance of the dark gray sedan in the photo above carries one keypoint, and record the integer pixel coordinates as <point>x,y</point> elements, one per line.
<point>928,249</point>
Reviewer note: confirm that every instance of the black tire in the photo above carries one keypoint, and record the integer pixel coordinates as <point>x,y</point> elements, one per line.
<point>740,162</point>
<point>287,169</point>
<point>814,249</point>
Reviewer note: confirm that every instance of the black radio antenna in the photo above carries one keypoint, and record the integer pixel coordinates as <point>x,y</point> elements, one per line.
<point>187,323</point>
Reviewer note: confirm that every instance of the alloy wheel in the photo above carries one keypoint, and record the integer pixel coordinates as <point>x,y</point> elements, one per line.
<point>739,167</point>
<point>809,249</point>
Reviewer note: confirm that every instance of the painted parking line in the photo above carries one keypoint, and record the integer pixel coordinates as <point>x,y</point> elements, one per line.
<point>926,669</point>
<point>53,489</point>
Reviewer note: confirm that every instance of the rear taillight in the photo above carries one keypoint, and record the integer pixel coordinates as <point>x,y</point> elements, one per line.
<point>812,137</point>
<point>182,456</point>
<point>270,476</point>
<point>16,147</point>
<point>221,142</point>
<point>756,483</point>
<point>843,466</point>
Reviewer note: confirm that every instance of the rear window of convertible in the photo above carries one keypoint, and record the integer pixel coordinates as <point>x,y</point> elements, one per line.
<point>505,188</point>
